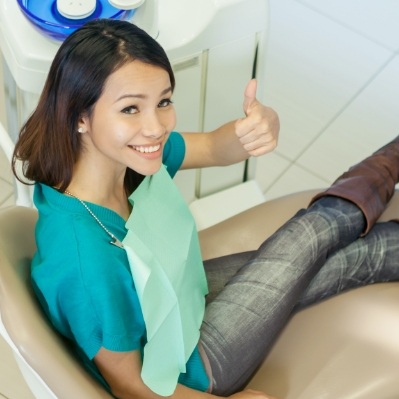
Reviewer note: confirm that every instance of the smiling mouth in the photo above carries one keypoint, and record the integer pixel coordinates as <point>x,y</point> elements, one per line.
<point>146,150</point>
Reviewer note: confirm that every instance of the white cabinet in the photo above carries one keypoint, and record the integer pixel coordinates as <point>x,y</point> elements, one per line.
<point>188,99</point>
<point>229,70</point>
<point>209,92</point>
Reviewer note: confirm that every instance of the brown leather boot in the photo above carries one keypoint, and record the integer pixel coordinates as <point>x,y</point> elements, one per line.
<point>369,184</point>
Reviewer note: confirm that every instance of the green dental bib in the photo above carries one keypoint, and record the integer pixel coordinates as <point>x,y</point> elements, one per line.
<point>165,260</point>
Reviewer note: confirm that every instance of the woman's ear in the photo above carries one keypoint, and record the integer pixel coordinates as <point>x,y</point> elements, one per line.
<point>83,124</point>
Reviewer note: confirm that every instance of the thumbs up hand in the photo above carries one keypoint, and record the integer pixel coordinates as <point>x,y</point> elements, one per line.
<point>258,130</point>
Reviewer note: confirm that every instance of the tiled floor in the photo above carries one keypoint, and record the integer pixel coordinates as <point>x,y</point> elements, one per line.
<point>333,76</point>
<point>6,186</point>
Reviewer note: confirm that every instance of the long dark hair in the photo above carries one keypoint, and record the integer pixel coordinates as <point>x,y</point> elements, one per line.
<point>49,144</point>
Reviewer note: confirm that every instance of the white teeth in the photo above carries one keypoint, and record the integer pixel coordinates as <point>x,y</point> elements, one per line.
<point>147,149</point>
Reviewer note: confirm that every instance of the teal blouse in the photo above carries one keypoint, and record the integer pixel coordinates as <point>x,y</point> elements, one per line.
<point>85,285</point>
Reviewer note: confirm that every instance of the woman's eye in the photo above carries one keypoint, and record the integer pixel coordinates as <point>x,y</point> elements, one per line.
<point>165,103</point>
<point>130,110</point>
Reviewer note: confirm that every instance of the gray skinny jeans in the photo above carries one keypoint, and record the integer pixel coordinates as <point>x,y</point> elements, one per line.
<point>316,254</point>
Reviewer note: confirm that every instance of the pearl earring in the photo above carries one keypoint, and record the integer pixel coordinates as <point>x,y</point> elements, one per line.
<point>80,130</point>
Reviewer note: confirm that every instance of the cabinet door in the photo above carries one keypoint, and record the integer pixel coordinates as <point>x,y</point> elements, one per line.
<point>209,92</point>
<point>229,69</point>
<point>188,99</point>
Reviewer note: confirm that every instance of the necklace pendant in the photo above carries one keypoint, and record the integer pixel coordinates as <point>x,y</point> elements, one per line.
<point>116,242</point>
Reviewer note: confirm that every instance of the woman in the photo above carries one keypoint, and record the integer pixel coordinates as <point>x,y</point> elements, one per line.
<point>101,133</point>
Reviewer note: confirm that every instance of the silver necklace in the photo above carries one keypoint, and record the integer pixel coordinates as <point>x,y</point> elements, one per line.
<point>114,240</point>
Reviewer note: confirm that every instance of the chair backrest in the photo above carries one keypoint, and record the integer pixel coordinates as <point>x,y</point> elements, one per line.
<point>33,339</point>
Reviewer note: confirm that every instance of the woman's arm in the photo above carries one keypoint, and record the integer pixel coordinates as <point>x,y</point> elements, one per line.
<point>122,371</point>
<point>255,134</point>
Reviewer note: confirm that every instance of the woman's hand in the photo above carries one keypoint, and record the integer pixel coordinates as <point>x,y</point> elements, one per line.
<point>258,131</point>
<point>122,371</point>
<point>256,134</point>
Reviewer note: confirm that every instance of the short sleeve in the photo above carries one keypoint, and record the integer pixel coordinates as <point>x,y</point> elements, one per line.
<point>90,294</point>
<point>174,152</point>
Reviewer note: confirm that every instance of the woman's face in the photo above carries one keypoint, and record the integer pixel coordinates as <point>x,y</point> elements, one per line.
<point>131,120</point>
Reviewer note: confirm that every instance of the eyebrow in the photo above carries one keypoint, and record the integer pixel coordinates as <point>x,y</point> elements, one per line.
<point>142,96</point>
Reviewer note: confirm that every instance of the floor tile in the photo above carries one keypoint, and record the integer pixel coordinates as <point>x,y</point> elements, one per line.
<point>6,182</point>
<point>314,67</point>
<point>269,168</point>
<point>294,179</point>
<point>5,168</point>
<point>376,20</point>
<point>8,200</point>
<point>370,121</point>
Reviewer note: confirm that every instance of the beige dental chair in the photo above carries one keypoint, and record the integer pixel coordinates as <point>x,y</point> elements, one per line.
<point>346,347</point>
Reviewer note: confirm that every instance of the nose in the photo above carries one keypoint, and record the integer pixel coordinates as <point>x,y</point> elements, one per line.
<point>153,126</point>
